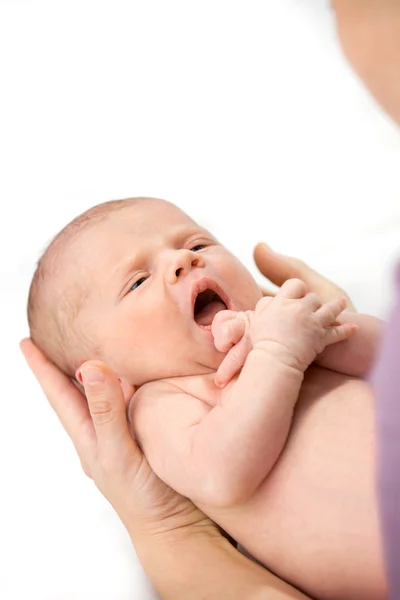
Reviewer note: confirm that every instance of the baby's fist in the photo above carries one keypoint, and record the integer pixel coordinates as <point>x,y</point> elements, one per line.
<point>229,329</point>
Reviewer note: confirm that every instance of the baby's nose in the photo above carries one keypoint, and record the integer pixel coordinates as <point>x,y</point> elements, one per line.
<point>183,261</point>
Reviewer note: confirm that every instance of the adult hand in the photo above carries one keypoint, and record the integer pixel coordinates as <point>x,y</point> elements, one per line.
<point>278,268</point>
<point>99,428</point>
<point>181,549</point>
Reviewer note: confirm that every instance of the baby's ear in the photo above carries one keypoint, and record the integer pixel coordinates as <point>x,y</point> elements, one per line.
<point>128,389</point>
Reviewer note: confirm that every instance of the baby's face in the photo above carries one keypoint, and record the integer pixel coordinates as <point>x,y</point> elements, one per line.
<point>154,281</point>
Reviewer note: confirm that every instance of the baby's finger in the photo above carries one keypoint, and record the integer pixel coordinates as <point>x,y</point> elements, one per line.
<point>108,411</point>
<point>232,362</point>
<point>339,333</point>
<point>227,331</point>
<point>313,301</point>
<point>329,312</point>
<point>224,315</point>
<point>293,289</point>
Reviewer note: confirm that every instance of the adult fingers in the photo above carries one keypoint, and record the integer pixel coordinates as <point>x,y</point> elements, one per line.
<point>66,400</point>
<point>278,268</point>
<point>108,411</point>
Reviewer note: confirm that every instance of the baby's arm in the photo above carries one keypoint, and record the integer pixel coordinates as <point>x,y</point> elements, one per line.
<point>356,355</point>
<point>219,455</point>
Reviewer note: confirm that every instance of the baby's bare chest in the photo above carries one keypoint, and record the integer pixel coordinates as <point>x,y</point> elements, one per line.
<point>318,506</point>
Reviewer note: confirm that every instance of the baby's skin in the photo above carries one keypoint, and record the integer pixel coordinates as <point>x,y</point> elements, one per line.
<point>283,456</point>
<point>252,407</point>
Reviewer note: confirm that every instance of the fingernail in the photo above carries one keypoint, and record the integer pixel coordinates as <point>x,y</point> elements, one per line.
<point>78,375</point>
<point>91,375</point>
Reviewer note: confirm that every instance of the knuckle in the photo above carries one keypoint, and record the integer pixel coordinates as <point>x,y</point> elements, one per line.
<point>263,302</point>
<point>294,286</point>
<point>301,286</point>
<point>235,359</point>
<point>331,316</point>
<point>101,411</point>
<point>219,317</point>
<point>314,297</point>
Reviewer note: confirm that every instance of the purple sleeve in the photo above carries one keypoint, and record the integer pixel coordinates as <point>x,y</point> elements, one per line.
<point>385,379</point>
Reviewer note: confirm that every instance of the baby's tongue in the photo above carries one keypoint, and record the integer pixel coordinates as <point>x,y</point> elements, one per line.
<point>205,315</point>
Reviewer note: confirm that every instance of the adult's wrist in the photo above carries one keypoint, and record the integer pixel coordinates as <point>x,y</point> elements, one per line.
<point>199,563</point>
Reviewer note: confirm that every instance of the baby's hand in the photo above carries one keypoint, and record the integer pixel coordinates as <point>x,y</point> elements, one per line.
<point>229,328</point>
<point>294,326</point>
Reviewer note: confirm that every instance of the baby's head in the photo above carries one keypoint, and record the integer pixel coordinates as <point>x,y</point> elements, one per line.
<point>135,283</point>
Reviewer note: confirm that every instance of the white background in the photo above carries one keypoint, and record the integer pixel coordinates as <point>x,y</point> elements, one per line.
<point>244,113</point>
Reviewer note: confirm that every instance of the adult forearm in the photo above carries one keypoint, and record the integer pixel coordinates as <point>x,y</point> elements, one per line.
<point>202,566</point>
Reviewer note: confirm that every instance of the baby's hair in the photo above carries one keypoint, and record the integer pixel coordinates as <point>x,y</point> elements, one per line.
<point>52,307</point>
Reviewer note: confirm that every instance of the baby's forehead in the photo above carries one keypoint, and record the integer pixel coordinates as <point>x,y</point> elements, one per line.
<point>141,222</point>
<point>149,215</point>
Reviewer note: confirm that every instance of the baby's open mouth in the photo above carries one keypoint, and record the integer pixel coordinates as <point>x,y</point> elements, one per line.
<point>206,306</point>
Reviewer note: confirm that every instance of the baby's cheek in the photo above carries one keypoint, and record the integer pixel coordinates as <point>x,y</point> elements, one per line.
<point>245,287</point>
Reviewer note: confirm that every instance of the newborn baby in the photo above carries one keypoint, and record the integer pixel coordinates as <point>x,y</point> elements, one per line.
<point>222,394</point>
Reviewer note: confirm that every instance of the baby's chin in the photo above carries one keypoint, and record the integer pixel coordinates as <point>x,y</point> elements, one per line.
<point>206,361</point>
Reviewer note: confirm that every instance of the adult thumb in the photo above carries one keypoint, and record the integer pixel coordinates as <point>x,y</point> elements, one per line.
<point>278,268</point>
<point>108,411</point>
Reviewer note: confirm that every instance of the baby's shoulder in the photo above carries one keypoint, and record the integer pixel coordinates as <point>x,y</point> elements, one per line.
<point>164,403</point>
<point>176,394</point>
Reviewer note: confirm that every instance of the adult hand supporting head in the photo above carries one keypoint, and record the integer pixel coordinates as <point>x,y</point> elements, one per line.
<point>99,429</point>
<point>182,550</point>
<point>278,268</point>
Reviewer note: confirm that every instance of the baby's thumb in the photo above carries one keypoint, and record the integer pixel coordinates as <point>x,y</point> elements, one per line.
<point>108,411</point>
<point>232,362</point>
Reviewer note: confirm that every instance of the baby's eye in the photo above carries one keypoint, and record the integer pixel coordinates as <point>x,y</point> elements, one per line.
<point>197,248</point>
<point>137,283</point>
